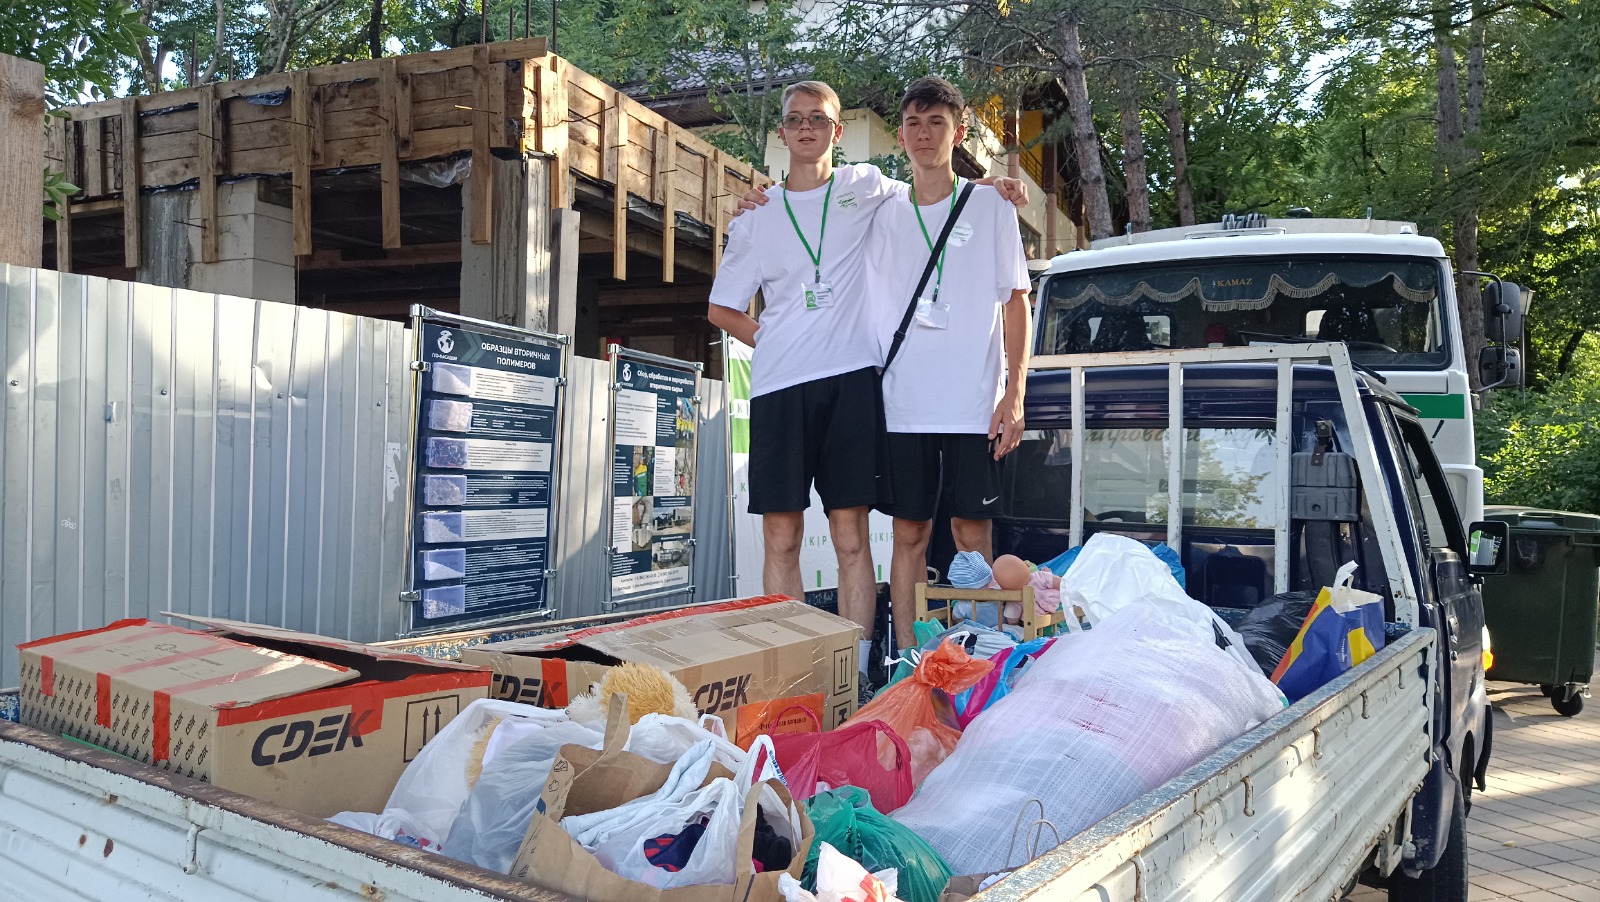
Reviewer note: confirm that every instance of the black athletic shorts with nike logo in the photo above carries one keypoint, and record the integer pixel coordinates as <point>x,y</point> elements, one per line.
<point>960,467</point>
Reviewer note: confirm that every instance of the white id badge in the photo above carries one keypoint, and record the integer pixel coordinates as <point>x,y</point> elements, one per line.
<point>933,313</point>
<point>817,295</point>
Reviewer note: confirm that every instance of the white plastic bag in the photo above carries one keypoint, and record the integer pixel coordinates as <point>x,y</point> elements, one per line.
<point>595,828</point>
<point>392,824</point>
<point>841,879</point>
<point>1115,571</point>
<point>1107,715</point>
<point>437,782</point>
<point>664,739</point>
<point>495,817</point>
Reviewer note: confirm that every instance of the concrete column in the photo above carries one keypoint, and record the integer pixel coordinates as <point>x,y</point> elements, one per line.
<point>255,250</point>
<point>564,271</point>
<point>508,280</point>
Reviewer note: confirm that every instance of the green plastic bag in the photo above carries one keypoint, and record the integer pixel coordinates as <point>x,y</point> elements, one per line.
<point>845,819</point>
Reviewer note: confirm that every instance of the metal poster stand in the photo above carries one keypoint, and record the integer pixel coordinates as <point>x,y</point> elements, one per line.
<point>650,552</point>
<point>482,501</point>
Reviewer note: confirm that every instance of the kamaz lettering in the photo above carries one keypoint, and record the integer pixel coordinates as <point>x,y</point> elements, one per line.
<point>283,743</point>
<point>722,696</point>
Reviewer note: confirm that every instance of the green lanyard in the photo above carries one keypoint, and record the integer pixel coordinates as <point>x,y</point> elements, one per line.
<point>816,255</point>
<point>940,280</point>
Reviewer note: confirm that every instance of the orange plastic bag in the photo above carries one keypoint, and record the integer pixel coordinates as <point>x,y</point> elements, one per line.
<point>919,710</point>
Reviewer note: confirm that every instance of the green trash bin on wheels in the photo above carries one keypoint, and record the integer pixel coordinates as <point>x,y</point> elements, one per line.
<point>1541,614</point>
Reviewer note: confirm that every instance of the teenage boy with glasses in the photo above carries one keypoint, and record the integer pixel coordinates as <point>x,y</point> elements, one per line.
<point>816,405</point>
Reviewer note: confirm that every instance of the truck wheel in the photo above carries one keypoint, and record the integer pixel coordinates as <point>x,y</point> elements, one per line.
<point>1447,880</point>
<point>1569,707</point>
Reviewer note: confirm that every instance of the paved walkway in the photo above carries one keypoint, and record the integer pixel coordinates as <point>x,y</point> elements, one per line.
<point>1534,834</point>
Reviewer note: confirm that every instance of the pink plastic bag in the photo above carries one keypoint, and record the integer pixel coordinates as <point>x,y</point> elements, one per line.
<point>864,753</point>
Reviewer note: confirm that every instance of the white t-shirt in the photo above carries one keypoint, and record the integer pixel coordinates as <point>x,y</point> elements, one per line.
<point>794,344</point>
<point>946,380</point>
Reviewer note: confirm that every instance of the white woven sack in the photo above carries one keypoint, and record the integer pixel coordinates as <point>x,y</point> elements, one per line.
<point>1103,717</point>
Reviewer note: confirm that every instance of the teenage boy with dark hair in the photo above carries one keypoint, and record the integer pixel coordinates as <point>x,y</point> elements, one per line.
<point>953,396</point>
<point>816,404</point>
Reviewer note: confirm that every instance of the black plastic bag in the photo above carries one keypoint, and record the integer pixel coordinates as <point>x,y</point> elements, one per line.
<point>1270,627</point>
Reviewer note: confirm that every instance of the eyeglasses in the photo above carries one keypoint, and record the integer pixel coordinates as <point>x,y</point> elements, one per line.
<point>817,121</point>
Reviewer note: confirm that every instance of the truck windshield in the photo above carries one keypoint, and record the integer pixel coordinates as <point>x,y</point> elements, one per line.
<point>1387,309</point>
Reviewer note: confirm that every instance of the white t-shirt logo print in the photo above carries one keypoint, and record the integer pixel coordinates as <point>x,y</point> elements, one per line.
<point>960,233</point>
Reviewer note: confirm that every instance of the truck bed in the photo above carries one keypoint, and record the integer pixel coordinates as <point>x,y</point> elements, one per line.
<point>1290,810</point>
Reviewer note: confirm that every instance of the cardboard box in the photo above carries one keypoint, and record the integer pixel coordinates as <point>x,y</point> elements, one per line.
<point>745,661</point>
<point>316,724</point>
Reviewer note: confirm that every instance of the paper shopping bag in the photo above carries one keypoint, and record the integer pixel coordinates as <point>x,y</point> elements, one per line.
<point>584,781</point>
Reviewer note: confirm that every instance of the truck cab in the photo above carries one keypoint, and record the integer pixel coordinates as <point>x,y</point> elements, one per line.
<point>1266,469</point>
<point>1378,286</point>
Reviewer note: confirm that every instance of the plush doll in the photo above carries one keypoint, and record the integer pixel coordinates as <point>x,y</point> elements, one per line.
<point>650,690</point>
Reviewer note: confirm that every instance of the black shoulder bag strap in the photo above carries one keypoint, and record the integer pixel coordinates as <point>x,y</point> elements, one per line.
<point>927,273</point>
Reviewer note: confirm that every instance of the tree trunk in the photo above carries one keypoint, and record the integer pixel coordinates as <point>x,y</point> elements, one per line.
<point>1085,140</point>
<point>375,30</point>
<point>1568,350</point>
<point>1449,163</point>
<point>1178,137</point>
<point>1133,153</point>
<point>1465,183</point>
<point>218,40</point>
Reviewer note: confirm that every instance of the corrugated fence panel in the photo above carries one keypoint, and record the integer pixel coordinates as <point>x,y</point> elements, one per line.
<point>174,450</point>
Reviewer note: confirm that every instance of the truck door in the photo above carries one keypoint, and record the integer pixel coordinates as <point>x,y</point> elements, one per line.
<point>1443,556</point>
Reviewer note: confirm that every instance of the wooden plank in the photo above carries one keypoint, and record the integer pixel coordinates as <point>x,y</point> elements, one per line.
<point>554,132</point>
<point>710,181</point>
<point>300,174</point>
<point>497,104</point>
<point>64,238</point>
<point>22,149</point>
<point>616,138</point>
<point>339,73</point>
<point>714,197</point>
<point>403,111</point>
<point>482,178</point>
<point>207,142</point>
<point>410,255</point>
<point>667,148</point>
<point>389,166</point>
<point>131,201</point>
<point>92,135</point>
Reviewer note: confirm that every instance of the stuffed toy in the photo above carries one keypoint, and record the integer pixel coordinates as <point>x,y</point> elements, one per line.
<point>650,690</point>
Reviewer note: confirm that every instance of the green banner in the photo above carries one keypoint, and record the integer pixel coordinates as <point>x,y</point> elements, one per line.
<point>739,408</point>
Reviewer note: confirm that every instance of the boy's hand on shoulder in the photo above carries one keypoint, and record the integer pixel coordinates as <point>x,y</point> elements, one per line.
<point>1014,190</point>
<point>752,199</point>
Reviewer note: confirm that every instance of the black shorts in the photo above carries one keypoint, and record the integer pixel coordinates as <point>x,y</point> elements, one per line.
<point>829,430</point>
<point>925,466</point>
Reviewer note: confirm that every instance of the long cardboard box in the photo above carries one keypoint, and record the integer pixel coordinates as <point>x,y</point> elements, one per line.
<point>316,724</point>
<point>746,661</point>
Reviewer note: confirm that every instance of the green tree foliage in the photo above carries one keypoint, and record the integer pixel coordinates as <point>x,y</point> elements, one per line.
<point>1543,448</point>
<point>81,43</point>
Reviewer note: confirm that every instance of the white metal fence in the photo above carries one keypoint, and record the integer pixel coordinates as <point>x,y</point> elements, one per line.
<point>174,450</point>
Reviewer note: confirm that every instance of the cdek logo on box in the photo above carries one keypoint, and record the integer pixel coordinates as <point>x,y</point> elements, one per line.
<point>508,688</point>
<point>284,742</point>
<point>723,695</point>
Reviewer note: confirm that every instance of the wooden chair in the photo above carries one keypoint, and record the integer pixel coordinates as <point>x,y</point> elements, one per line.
<point>1032,620</point>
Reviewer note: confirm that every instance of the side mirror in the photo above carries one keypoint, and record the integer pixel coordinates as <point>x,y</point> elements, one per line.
<point>1502,312</point>
<point>1487,548</point>
<point>1499,367</point>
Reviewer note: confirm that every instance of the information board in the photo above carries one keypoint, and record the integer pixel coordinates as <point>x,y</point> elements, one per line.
<point>655,426</point>
<point>488,402</point>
